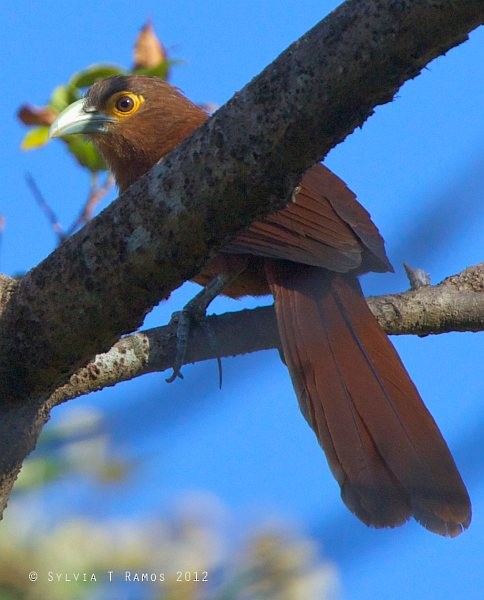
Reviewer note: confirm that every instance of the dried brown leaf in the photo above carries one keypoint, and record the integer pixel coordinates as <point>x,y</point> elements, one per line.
<point>148,50</point>
<point>33,115</point>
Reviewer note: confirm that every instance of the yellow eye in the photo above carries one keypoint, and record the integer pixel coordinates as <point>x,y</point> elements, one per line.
<point>124,104</point>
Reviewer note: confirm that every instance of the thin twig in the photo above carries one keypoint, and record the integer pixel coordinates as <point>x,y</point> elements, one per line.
<point>47,210</point>
<point>96,193</point>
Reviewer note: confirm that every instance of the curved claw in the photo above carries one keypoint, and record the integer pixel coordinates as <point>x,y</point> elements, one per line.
<point>195,311</point>
<point>175,375</point>
<point>183,319</point>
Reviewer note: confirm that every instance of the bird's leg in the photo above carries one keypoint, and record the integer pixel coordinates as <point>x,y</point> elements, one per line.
<point>195,312</point>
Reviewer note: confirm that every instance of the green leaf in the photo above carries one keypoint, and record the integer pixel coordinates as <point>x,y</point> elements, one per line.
<point>62,96</point>
<point>35,138</point>
<point>85,153</point>
<point>90,75</point>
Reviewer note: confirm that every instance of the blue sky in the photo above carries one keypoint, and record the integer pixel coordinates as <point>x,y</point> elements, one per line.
<point>416,165</point>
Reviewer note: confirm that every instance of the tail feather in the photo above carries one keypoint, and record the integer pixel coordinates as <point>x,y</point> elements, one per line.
<point>382,444</point>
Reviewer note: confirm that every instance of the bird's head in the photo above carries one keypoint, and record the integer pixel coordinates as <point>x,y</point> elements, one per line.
<point>133,120</point>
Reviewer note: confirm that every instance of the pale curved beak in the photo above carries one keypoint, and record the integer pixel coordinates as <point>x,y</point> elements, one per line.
<point>77,119</point>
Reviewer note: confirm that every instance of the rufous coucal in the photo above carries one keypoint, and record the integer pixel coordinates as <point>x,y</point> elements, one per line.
<point>381,443</point>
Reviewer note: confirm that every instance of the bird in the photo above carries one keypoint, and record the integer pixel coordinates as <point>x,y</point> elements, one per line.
<point>382,445</point>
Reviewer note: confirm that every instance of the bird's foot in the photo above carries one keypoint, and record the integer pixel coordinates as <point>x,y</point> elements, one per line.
<point>194,312</point>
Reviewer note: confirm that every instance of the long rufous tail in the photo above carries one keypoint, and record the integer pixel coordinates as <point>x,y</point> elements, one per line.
<point>382,444</point>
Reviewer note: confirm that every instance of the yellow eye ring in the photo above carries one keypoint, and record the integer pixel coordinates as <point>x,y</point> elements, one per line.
<point>124,104</point>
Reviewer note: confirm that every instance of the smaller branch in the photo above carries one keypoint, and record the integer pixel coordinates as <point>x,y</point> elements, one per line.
<point>154,350</point>
<point>455,304</point>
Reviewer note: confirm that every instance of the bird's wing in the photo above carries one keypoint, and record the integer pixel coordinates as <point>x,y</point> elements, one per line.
<point>323,226</point>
